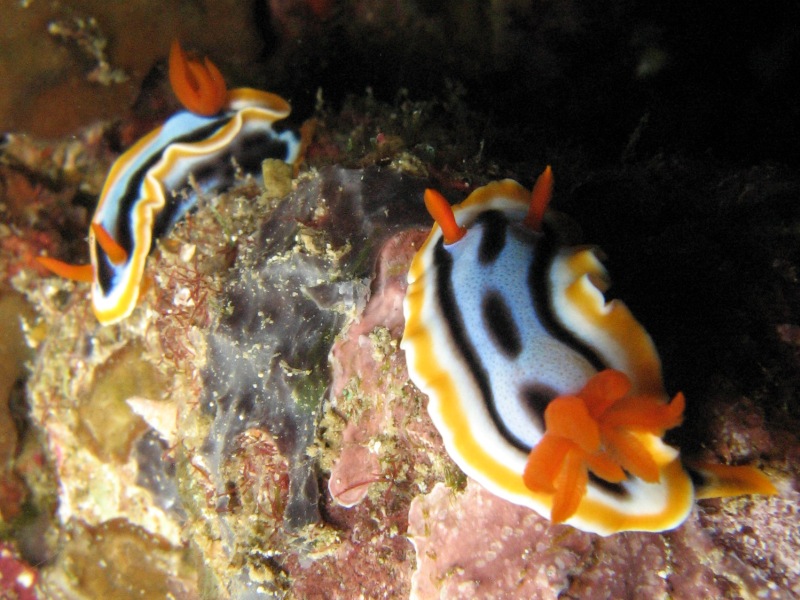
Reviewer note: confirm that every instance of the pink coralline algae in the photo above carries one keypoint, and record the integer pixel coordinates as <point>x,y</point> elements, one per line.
<point>473,544</point>
<point>476,545</point>
<point>17,578</point>
<point>755,544</point>
<point>354,358</point>
<point>355,470</point>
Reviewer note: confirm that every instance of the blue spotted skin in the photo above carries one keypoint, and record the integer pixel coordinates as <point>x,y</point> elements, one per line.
<point>513,332</point>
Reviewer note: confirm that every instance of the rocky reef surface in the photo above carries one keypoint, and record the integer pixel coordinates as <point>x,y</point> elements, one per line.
<point>250,432</point>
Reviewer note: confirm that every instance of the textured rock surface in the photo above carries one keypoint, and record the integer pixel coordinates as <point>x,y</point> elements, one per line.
<point>297,281</point>
<point>96,59</point>
<point>473,544</point>
<point>510,552</point>
<point>17,578</point>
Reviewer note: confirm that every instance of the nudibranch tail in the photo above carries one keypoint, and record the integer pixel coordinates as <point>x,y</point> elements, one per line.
<point>540,198</point>
<point>439,208</point>
<point>199,86</point>
<point>723,481</point>
<point>80,273</point>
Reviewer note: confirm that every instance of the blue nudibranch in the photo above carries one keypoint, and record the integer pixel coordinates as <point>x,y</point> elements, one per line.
<point>543,392</point>
<point>156,182</point>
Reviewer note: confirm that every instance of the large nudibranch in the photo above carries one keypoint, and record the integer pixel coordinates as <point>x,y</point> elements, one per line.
<point>543,392</point>
<point>157,181</point>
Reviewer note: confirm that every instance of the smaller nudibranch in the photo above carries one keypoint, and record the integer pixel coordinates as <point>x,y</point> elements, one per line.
<point>157,181</point>
<point>543,392</point>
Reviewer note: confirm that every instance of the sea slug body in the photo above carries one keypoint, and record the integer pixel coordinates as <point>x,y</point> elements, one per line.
<point>543,392</point>
<point>223,135</point>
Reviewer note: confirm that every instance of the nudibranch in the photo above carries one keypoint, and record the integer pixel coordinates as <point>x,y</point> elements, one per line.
<point>223,134</point>
<point>543,392</point>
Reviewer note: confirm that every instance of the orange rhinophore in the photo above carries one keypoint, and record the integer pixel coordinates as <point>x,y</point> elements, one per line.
<point>540,199</point>
<point>440,210</point>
